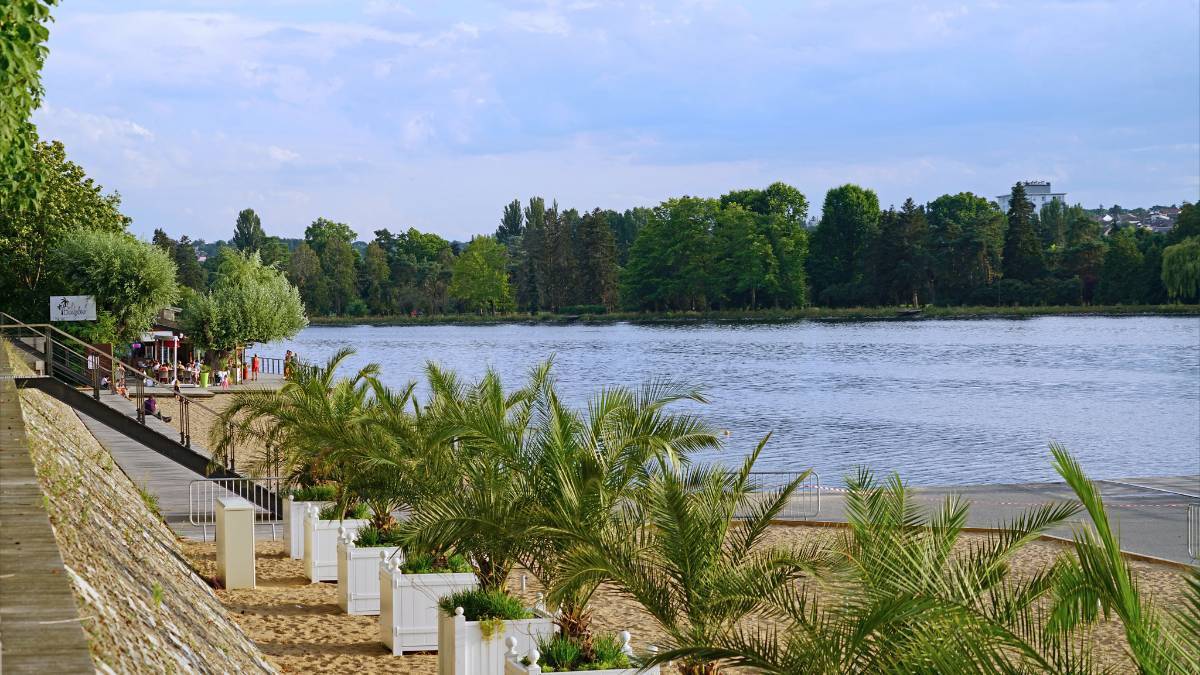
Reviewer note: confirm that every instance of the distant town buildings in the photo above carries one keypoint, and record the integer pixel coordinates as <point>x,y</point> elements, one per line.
<point>1036,191</point>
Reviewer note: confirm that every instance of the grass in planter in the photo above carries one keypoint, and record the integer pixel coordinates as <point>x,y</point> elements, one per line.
<point>356,512</point>
<point>423,563</point>
<point>371,536</point>
<point>314,493</point>
<point>479,605</point>
<point>562,654</point>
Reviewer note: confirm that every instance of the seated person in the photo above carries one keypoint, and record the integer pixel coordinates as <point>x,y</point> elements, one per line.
<point>151,408</point>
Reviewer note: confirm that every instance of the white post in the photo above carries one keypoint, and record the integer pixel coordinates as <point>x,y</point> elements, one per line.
<point>235,542</point>
<point>175,370</point>
<point>534,656</point>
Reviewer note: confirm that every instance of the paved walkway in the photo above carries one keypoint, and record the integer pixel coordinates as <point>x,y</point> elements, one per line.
<point>1150,512</point>
<point>40,630</point>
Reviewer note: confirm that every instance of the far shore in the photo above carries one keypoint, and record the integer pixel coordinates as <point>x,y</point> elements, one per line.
<point>763,315</point>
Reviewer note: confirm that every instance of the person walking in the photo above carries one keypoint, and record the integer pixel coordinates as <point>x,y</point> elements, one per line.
<point>254,366</point>
<point>287,364</point>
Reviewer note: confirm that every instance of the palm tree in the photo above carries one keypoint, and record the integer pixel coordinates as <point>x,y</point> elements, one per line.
<point>590,471</point>
<point>1099,579</point>
<point>690,550</point>
<point>310,420</point>
<point>485,516</point>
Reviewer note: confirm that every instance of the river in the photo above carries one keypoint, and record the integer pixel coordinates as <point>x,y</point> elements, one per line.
<point>941,402</point>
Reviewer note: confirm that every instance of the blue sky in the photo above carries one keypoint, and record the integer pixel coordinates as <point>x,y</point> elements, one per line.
<point>433,115</point>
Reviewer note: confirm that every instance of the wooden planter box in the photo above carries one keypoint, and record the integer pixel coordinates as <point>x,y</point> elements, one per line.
<point>408,611</point>
<point>463,651</point>
<point>358,575</point>
<point>293,524</point>
<point>513,657</point>
<point>320,544</point>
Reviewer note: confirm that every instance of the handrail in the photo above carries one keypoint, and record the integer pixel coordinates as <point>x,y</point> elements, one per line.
<point>72,344</point>
<point>92,351</point>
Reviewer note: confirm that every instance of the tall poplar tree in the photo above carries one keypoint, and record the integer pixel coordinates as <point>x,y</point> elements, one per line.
<point>248,234</point>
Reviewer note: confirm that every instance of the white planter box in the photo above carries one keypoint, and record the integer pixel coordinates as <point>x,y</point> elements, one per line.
<point>358,575</point>
<point>320,544</point>
<point>513,665</point>
<point>463,651</point>
<point>293,525</point>
<point>408,611</point>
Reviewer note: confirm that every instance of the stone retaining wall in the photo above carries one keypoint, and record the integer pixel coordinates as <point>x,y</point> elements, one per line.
<point>141,605</point>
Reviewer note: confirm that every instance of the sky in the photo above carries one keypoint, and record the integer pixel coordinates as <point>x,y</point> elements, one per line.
<point>433,115</point>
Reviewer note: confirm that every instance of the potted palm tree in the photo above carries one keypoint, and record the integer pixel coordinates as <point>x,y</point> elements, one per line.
<point>485,517</point>
<point>690,550</point>
<point>590,470</point>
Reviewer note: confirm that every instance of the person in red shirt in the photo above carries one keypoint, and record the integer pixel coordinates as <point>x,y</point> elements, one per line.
<point>254,367</point>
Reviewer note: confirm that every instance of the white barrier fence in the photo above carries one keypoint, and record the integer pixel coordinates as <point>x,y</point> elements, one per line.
<point>265,493</point>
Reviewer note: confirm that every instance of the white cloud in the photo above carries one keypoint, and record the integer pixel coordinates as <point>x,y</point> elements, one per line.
<point>281,154</point>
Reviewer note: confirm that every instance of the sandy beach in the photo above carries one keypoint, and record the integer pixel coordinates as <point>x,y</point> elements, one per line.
<point>300,627</point>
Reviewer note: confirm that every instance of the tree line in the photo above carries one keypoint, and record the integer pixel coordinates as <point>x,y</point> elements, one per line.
<point>748,249</point>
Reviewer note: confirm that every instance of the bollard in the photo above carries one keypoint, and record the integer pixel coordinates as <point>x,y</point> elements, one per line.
<point>235,542</point>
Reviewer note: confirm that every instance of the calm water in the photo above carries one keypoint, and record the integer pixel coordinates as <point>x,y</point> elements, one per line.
<point>942,402</point>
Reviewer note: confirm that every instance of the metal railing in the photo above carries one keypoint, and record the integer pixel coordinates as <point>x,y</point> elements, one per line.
<point>267,365</point>
<point>266,494</point>
<point>805,502</point>
<point>75,362</point>
<point>1193,530</point>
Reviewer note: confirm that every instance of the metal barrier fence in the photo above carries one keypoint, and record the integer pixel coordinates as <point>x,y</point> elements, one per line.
<point>265,493</point>
<point>1193,523</point>
<point>806,500</point>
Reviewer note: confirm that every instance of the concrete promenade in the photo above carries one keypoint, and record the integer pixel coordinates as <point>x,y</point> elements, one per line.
<point>1150,513</point>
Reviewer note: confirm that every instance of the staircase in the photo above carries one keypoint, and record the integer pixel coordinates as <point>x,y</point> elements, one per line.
<point>61,362</point>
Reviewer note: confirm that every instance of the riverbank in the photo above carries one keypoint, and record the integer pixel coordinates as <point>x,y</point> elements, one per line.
<point>764,315</point>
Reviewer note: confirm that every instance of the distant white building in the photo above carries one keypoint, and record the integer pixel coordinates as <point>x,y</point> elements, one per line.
<point>1036,191</point>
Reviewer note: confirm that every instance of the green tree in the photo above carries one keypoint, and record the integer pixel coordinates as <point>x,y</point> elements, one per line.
<point>1187,224</point>
<point>23,35</point>
<point>510,223</point>
<point>746,265</point>
<point>841,244</point>
<point>781,210</point>
<point>597,261</point>
<point>336,288</point>
<point>902,265</point>
<point>480,278</point>
<point>531,270</point>
<point>966,238</point>
<point>304,272</point>
<point>376,281</point>
<point>560,287</point>
<point>68,201</point>
<point>187,266</point>
<point>671,263</point>
<point>1121,280</point>
<point>131,280</point>
<point>274,252</point>
<point>248,302</point>
<point>1023,257</point>
<point>248,232</point>
<point>1181,269</point>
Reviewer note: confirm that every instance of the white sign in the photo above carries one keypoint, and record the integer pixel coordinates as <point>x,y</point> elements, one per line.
<point>72,308</point>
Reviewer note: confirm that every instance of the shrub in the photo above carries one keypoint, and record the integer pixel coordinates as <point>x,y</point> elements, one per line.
<point>371,536</point>
<point>582,309</point>
<point>354,512</point>
<point>425,563</point>
<point>561,653</point>
<point>315,493</point>
<point>479,604</point>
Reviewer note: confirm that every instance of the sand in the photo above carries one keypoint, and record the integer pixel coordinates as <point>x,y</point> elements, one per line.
<point>300,627</point>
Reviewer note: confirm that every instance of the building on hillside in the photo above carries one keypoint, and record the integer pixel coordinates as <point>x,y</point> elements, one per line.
<point>1036,191</point>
